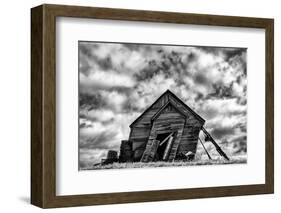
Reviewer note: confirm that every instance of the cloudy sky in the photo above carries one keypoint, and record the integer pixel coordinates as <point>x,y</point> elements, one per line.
<point>119,81</point>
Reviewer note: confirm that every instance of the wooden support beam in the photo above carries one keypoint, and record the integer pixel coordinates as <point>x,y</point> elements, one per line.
<point>219,150</point>
<point>168,148</point>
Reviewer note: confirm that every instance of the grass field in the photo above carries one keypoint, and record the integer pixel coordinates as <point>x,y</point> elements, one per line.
<point>218,161</point>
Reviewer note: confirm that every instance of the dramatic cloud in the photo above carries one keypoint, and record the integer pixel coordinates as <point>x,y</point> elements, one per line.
<point>119,81</point>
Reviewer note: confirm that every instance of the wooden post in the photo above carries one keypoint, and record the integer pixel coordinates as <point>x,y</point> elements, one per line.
<point>219,150</point>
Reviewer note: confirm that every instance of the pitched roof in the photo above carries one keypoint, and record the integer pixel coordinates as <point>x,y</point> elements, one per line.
<point>177,99</point>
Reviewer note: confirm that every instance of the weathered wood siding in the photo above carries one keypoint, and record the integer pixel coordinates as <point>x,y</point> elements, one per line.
<point>191,119</point>
<point>145,120</point>
<point>189,139</point>
<point>139,137</point>
<point>186,123</point>
<point>150,151</point>
<point>141,129</point>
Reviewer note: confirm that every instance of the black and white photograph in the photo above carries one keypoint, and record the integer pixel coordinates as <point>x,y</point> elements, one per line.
<point>160,105</point>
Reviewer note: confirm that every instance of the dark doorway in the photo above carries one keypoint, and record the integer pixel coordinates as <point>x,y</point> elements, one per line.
<point>162,146</point>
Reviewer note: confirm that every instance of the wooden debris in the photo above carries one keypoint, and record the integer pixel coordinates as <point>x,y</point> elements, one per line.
<point>189,156</point>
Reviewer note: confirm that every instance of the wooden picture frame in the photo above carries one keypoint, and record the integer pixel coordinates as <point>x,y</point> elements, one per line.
<point>43,105</point>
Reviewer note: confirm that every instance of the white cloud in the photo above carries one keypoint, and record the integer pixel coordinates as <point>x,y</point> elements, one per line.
<point>106,49</point>
<point>223,121</point>
<point>106,79</point>
<point>114,99</point>
<point>237,89</point>
<point>207,59</point>
<point>224,106</point>
<point>100,114</point>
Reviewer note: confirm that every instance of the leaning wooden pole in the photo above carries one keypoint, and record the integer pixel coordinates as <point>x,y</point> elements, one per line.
<point>210,138</point>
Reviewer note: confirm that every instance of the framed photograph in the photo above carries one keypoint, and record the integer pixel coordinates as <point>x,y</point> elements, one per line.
<point>136,106</point>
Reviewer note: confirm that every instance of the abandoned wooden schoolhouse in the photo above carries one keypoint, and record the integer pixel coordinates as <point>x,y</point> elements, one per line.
<point>167,130</point>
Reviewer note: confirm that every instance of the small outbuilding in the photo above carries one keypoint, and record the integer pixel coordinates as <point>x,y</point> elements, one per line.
<point>165,131</point>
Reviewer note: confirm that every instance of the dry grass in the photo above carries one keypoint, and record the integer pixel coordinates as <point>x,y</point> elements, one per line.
<point>218,161</point>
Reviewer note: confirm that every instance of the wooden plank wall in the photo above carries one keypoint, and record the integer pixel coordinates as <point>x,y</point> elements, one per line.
<point>141,129</point>
<point>189,139</point>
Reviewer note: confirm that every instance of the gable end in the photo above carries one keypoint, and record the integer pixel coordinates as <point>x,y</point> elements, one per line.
<point>168,92</point>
